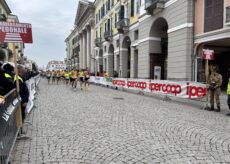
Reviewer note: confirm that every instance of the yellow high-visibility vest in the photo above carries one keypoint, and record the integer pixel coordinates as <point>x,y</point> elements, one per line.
<point>228,90</point>
<point>8,76</point>
<point>19,78</point>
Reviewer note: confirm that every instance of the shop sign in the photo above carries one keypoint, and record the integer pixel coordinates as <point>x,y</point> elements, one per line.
<point>15,32</point>
<point>208,54</point>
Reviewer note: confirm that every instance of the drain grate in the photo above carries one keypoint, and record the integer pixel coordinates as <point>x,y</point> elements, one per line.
<point>118,98</point>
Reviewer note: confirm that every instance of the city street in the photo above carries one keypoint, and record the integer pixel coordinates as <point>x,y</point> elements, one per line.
<point>113,127</point>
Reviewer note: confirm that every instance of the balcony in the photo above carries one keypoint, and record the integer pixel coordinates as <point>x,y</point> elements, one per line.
<point>108,35</point>
<point>150,5</point>
<point>123,25</point>
<point>228,15</point>
<point>97,42</point>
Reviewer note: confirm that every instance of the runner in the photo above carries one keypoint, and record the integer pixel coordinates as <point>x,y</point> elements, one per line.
<point>87,76</point>
<point>58,76</point>
<point>81,77</point>
<point>53,74</point>
<point>48,75</point>
<point>66,75</point>
<point>73,77</point>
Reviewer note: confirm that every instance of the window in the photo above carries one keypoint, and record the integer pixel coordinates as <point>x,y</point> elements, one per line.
<point>115,20</point>
<point>117,43</point>
<point>213,16</point>
<point>136,35</point>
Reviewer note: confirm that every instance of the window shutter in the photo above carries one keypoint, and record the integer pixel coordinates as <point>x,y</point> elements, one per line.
<point>132,8</point>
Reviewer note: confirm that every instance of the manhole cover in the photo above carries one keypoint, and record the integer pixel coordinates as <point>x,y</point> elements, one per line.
<point>118,98</point>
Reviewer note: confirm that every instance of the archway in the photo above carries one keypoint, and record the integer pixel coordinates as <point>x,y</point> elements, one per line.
<point>125,58</point>
<point>159,49</point>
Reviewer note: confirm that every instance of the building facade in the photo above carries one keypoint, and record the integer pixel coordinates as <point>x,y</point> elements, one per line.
<point>144,38</point>
<point>10,48</point>
<point>84,23</point>
<point>56,65</point>
<point>73,49</point>
<point>212,31</point>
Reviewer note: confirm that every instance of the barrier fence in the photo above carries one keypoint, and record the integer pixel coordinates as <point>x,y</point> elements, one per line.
<point>9,124</point>
<point>10,118</point>
<point>180,89</point>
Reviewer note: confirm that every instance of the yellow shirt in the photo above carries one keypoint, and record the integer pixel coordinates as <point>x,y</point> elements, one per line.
<point>228,90</point>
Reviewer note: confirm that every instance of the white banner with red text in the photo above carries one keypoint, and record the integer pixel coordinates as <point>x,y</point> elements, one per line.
<point>181,89</point>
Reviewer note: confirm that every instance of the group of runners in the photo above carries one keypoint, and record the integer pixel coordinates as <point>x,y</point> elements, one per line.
<point>69,77</point>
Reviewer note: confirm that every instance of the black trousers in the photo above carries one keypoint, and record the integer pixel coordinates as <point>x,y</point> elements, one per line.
<point>23,111</point>
<point>229,101</point>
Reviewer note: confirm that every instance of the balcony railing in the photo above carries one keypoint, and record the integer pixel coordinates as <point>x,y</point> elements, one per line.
<point>228,14</point>
<point>123,25</point>
<point>98,42</point>
<point>108,35</point>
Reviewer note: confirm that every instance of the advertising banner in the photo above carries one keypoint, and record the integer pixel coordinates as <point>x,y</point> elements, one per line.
<point>15,32</point>
<point>182,89</point>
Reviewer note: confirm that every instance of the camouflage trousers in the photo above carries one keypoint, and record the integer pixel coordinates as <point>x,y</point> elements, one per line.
<point>215,94</point>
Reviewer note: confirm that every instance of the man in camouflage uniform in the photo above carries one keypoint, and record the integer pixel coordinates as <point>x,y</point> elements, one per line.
<point>215,81</point>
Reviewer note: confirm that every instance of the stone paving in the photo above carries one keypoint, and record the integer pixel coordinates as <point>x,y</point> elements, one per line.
<point>105,126</point>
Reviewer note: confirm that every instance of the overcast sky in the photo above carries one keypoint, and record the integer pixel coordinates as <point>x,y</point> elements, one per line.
<point>51,22</point>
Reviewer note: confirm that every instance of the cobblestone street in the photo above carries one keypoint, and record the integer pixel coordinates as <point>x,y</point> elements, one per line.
<point>106,126</point>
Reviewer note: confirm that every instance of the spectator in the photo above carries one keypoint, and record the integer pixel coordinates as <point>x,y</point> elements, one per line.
<point>2,100</point>
<point>6,84</point>
<point>23,92</point>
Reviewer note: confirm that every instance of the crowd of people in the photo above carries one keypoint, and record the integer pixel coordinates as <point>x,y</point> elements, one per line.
<point>69,77</point>
<point>8,80</point>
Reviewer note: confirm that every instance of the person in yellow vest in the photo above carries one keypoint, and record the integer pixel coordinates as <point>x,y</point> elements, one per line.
<point>106,75</point>
<point>228,90</point>
<point>66,75</point>
<point>73,77</point>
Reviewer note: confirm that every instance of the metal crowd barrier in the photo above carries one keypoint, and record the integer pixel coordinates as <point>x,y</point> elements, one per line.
<point>10,117</point>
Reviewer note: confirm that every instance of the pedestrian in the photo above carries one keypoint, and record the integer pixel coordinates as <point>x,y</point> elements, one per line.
<point>214,83</point>
<point>228,91</point>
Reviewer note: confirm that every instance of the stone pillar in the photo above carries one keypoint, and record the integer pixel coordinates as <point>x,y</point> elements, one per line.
<point>88,40</point>
<point>132,62</point>
<point>81,52</point>
<point>124,63</point>
<point>83,49</point>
